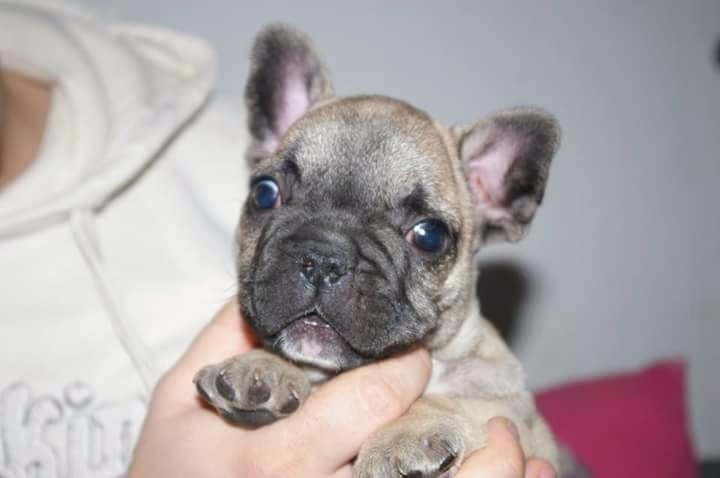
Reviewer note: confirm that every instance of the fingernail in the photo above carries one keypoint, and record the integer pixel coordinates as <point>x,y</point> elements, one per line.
<point>418,354</point>
<point>425,357</point>
<point>512,428</point>
<point>547,473</point>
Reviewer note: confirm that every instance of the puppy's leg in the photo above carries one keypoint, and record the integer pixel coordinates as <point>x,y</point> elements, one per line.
<point>436,434</point>
<point>253,389</point>
<point>430,440</point>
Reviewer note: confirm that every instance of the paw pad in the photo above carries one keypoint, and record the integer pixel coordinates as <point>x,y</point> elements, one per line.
<point>253,389</point>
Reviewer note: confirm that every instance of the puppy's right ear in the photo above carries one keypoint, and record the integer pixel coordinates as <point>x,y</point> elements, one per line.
<point>507,158</point>
<point>286,78</point>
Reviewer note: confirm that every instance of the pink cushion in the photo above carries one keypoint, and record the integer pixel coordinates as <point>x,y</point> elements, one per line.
<point>629,425</point>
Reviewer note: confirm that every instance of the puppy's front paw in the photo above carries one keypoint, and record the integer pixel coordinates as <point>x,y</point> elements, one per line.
<point>412,450</point>
<point>253,389</point>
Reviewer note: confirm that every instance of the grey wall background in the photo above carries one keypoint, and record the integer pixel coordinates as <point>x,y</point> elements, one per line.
<point>621,267</point>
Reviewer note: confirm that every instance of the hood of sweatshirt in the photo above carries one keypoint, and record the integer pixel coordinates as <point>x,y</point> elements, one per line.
<point>120,92</point>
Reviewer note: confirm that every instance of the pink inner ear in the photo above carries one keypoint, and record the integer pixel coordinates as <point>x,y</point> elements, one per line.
<point>294,103</point>
<point>489,156</point>
<point>295,99</point>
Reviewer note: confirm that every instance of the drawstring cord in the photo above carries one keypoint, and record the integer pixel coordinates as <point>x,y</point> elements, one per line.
<point>83,233</point>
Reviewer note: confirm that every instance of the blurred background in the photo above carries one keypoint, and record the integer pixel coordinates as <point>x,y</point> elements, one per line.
<point>621,266</point>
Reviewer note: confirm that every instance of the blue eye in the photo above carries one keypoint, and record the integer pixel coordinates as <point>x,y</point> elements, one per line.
<point>266,194</point>
<point>429,235</point>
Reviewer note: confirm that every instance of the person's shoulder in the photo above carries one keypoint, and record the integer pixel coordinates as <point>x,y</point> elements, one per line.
<point>209,155</point>
<point>218,129</point>
<point>225,115</point>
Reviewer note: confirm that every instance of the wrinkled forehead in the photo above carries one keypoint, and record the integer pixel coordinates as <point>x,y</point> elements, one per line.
<point>374,154</point>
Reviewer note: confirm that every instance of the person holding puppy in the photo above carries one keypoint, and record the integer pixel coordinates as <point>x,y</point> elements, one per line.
<point>319,439</point>
<point>120,183</point>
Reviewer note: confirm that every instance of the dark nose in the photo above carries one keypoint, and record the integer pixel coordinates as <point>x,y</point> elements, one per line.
<point>322,269</point>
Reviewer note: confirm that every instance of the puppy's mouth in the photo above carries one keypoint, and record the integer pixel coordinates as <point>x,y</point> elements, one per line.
<point>310,339</point>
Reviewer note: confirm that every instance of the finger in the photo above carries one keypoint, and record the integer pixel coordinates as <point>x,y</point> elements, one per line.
<point>539,468</point>
<point>327,431</point>
<point>225,336</point>
<point>502,457</point>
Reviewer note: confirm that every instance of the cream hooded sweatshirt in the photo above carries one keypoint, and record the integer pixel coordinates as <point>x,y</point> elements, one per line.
<point>116,243</point>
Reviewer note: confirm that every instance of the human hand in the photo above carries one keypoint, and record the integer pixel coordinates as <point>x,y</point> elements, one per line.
<point>503,457</point>
<point>182,437</point>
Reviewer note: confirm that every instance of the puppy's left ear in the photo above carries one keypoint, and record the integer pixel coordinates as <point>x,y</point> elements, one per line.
<point>506,159</point>
<point>286,79</point>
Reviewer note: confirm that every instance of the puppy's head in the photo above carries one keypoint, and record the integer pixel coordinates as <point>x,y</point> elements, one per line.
<point>364,214</point>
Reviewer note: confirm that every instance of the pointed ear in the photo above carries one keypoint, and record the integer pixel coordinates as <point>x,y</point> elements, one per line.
<point>506,158</point>
<point>286,78</point>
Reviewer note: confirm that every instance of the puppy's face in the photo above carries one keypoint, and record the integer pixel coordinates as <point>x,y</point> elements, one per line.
<point>363,217</point>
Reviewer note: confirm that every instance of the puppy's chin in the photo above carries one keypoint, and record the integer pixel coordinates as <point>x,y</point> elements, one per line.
<point>312,341</point>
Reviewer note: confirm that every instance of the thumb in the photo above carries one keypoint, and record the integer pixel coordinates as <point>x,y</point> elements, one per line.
<point>339,416</point>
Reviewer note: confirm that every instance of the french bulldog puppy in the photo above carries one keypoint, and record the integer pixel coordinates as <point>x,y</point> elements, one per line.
<point>358,241</point>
